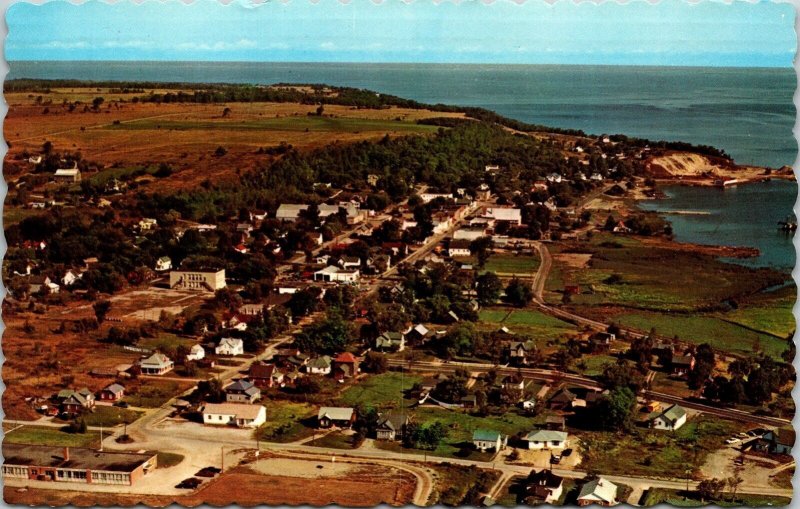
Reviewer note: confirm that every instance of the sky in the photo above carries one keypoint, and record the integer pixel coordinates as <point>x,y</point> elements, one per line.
<point>672,32</point>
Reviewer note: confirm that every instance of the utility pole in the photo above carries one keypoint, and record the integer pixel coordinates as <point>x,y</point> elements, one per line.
<point>222,458</point>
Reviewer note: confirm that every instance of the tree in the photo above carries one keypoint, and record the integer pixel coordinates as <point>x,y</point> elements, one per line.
<point>482,249</point>
<point>375,362</point>
<point>616,408</point>
<point>489,288</point>
<point>101,309</point>
<point>710,489</point>
<point>226,112</point>
<point>622,374</point>
<point>327,336</point>
<point>47,147</point>
<point>519,293</point>
<point>97,102</point>
<point>320,110</point>
<point>705,360</point>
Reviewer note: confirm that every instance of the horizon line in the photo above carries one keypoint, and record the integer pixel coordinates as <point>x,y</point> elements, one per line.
<point>345,62</point>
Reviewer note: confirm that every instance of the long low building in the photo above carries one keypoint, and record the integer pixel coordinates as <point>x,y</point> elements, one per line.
<point>72,464</point>
<point>241,415</point>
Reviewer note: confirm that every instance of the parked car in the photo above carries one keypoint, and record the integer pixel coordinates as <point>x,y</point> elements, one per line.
<point>566,453</point>
<point>732,440</point>
<point>121,404</point>
<point>555,459</point>
<point>189,484</point>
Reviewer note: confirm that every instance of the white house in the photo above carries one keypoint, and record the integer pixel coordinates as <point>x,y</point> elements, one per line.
<point>469,233</point>
<point>333,274</point>
<point>319,365</point>
<point>196,353</point>
<point>289,211</point>
<point>68,175</point>
<point>147,223</point>
<point>546,439</point>
<point>487,440</point>
<point>240,415</point>
<point>163,263</point>
<point>70,278</point>
<point>459,248</point>
<point>230,346</point>
<point>156,364</point>
<point>598,491</point>
<point>670,419</point>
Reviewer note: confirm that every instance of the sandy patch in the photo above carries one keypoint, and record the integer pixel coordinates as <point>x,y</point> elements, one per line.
<point>300,468</point>
<point>573,260</point>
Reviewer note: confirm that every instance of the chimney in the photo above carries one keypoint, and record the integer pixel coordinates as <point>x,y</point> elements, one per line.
<point>66,453</point>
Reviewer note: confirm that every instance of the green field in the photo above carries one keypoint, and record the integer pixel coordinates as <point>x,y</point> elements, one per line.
<point>709,329</point>
<point>654,278</point>
<point>526,321</point>
<point>680,498</point>
<point>298,123</point>
<point>152,394</point>
<point>285,421</point>
<point>507,264</point>
<point>13,215</point>
<point>333,441</point>
<point>770,313</point>
<point>655,452</point>
<point>166,342</point>
<point>111,416</point>
<point>51,436</point>
<point>101,178</point>
<point>380,391</point>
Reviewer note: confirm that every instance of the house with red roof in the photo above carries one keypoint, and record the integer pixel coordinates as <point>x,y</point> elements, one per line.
<point>345,365</point>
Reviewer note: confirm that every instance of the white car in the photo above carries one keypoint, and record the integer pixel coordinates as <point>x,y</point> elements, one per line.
<point>732,440</point>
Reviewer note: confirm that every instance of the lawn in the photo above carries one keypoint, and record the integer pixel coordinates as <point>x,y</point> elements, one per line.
<point>594,364</point>
<point>507,264</point>
<point>681,498</point>
<point>769,313</point>
<point>51,436</point>
<point>291,123</point>
<point>526,321</point>
<point>380,391</point>
<point>709,329</point>
<point>287,421</point>
<point>111,416</point>
<point>153,393</point>
<point>166,342</point>
<point>653,452</point>
<point>101,178</point>
<point>333,441</point>
<point>168,459</point>
<point>457,485</point>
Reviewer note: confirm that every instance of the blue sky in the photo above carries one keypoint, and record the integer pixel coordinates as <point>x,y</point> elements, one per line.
<point>670,33</point>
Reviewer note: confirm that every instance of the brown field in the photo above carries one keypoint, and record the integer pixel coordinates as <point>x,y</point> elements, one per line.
<point>181,141</point>
<point>242,486</point>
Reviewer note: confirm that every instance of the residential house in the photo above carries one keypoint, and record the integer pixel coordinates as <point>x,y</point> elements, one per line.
<point>230,346</point>
<point>555,423</point>
<point>390,341</point>
<point>333,274</point>
<point>469,233</point>
<point>546,439</point>
<point>601,341</point>
<point>70,278</point>
<point>417,334</point>
<point>598,491</point>
<point>513,382</point>
<point>488,440</point>
<point>319,365</point>
<point>392,425</point>
<point>112,392</point>
<point>621,228</point>
<point>681,365</point>
<point>163,263</point>
<point>345,365</point>
<point>242,391</point>
<point>147,224</point>
<point>40,284</point>
<point>349,262</point>
<point>156,364</point>
<point>264,375</point>
<point>672,418</point>
<point>195,353</point>
<point>201,280</point>
<point>75,402</point>
<point>562,399</point>
<point>380,263</point>
<point>543,487</point>
<point>779,441</point>
<point>67,176</point>
<point>518,352</point>
<point>459,248</point>
<point>234,414</point>
<point>35,159</point>
<point>341,417</point>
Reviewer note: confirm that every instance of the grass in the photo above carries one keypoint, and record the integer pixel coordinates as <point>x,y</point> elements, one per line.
<point>710,329</point>
<point>292,123</point>
<point>51,436</point>
<point>13,215</point>
<point>152,394</point>
<point>111,416</point>
<point>103,177</point>
<point>771,314</point>
<point>285,422</point>
<point>595,363</point>
<point>653,452</point>
<point>460,426</point>
<point>681,498</point>
<point>380,391</point>
<point>168,459</point>
<point>333,441</point>
<point>165,342</point>
<point>458,485</point>
<point>526,321</point>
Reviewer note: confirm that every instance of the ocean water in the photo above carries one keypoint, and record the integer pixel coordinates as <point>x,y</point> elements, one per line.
<point>744,215</point>
<point>746,111</point>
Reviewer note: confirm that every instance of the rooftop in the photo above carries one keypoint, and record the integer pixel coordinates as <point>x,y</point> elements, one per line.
<point>239,410</point>
<point>84,459</point>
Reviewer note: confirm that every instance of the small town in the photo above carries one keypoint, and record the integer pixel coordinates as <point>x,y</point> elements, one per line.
<point>229,293</point>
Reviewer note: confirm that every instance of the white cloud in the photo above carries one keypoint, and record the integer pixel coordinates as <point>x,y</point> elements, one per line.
<point>63,45</point>
<point>328,45</point>
<point>217,46</point>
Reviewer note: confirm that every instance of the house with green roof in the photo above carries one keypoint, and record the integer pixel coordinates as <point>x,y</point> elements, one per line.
<point>670,419</point>
<point>488,440</point>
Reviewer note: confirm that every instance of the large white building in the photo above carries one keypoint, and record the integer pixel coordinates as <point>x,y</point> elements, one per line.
<point>240,415</point>
<point>507,214</point>
<point>333,274</point>
<point>201,280</point>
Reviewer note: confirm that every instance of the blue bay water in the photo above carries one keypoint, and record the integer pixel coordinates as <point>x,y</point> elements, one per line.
<point>746,111</point>
<point>746,215</point>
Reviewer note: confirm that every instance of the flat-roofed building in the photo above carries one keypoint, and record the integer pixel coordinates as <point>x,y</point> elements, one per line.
<point>201,280</point>
<point>240,415</point>
<point>67,176</point>
<point>77,465</point>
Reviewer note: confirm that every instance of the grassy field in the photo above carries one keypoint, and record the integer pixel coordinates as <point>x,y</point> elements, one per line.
<point>507,264</point>
<point>153,393</point>
<point>654,452</point>
<point>165,341</point>
<point>710,329</point>
<point>649,276</point>
<point>13,215</point>
<point>51,436</point>
<point>380,391</point>
<point>334,441</point>
<point>681,498</point>
<point>770,313</point>
<point>456,485</point>
<point>298,123</point>
<point>111,416</point>
<point>526,321</point>
<point>287,421</point>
